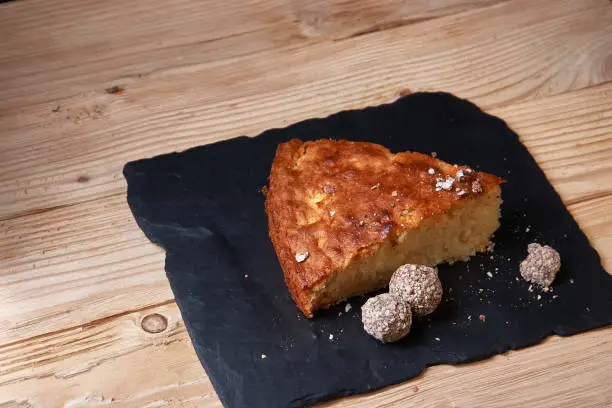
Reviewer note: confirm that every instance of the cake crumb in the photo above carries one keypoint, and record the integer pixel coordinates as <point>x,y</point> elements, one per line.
<point>331,336</point>
<point>528,228</point>
<point>431,171</point>
<point>263,356</point>
<point>347,307</point>
<point>301,257</point>
<point>434,154</point>
<point>482,318</point>
<point>332,213</point>
<point>375,186</point>
<point>394,193</point>
<point>246,275</point>
<point>469,317</point>
<point>571,281</point>
<point>489,274</point>
<point>436,338</point>
<point>539,297</point>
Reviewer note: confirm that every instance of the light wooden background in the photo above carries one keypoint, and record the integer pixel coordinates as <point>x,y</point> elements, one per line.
<point>77,277</point>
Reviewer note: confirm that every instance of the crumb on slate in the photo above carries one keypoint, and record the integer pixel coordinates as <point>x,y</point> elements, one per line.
<point>482,318</point>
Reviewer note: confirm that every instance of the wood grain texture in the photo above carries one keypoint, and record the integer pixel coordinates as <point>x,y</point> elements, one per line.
<point>77,277</point>
<point>494,55</point>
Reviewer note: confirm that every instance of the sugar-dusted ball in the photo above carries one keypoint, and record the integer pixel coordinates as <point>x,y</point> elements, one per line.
<point>386,318</point>
<point>417,285</point>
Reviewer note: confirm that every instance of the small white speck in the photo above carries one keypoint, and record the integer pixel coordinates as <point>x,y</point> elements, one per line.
<point>588,309</point>
<point>394,193</point>
<point>361,223</point>
<point>347,307</point>
<point>459,175</point>
<point>516,278</point>
<point>332,213</point>
<point>246,275</point>
<point>375,186</point>
<point>539,297</point>
<point>301,257</point>
<point>555,296</point>
<point>263,356</point>
<point>431,171</point>
<point>470,317</point>
<point>437,338</point>
<point>528,228</point>
<point>489,274</point>
<point>331,336</point>
<point>530,288</point>
<point>509,259</point>
<point>491,257</point>
<point>572,281</point>
<point>480,290</point>
<point>434,154</point>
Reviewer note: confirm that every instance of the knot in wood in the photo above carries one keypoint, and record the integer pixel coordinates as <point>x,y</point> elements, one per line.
<point>154,323</point>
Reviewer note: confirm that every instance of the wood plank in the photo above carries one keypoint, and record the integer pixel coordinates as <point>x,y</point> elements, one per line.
<point>116,361</point>
<point>88,40</point>
<point>79,263</point>
<point>89,260</point>
<point>112,360</point>
<point>493,55</point>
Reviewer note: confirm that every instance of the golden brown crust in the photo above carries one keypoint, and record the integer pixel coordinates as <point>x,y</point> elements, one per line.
<point>339,200</point>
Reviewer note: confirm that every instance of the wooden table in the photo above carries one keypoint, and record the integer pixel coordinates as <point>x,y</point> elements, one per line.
<point>87,317</point>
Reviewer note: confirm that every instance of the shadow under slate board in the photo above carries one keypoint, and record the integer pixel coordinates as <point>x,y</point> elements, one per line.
<point>205,207</point>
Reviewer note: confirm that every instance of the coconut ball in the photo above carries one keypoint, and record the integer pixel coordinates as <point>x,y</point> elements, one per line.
<point>417,285</point>
<point>541,265</point>
<point>386,318</point>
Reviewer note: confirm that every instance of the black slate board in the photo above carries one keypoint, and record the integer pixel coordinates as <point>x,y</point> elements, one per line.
<point>205,207</point>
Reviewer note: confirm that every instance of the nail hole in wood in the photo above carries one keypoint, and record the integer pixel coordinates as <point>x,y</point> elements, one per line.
<point>154,323</point>
<point>83,179</point>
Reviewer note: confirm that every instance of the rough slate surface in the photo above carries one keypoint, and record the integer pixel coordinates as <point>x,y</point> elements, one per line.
<point>205,207</point>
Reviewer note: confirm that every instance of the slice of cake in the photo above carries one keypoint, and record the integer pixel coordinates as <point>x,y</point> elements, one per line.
<point>344,215</point>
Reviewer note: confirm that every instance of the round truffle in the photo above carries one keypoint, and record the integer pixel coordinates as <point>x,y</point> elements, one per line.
<point>386,318</point>
<point>417,285</point>
<point>541,265</point>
